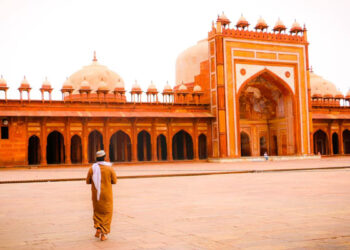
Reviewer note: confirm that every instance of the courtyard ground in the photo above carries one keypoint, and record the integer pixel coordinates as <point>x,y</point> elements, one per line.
<point>261,210</point>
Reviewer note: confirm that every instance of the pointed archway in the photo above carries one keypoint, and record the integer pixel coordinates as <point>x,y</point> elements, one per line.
<point>161,148</point>
<point>182,146</point>
<point>267,105</point>
<point>335,143</point>
<point>95,144</point>
<point>120,147</point>
<point>55,153</point>
<point>245,144</point>
<point>34,150</point>
<point>321,143</point>
<point>76,149</point>
<point>346,141</point>
<point>144,152</point>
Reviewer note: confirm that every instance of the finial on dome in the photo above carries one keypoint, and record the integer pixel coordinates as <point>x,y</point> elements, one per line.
<point>95,59</point>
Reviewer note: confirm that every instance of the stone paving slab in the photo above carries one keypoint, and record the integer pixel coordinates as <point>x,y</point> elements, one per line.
<point>279,210</point>
<point>18,174</point>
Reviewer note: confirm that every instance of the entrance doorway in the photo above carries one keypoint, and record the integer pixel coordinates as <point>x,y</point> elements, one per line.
<point>120,147</point>
<point>76,149</point>
<point>95,144</point>
<point>182,146</point>
<point>144,152</point>
<point>161,148</point>
<point>34,150</point>
<point>55,153</point>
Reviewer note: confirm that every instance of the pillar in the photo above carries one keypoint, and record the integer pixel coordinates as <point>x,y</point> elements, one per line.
<point>154,142</point>
<point>43,142</point>
<point>68,142</point>
<point>85,141</point>
<point>169,142</point>
<point>106,139</point>
<point>341,143</point>
<point>134,141</point>
<point>195,140</point>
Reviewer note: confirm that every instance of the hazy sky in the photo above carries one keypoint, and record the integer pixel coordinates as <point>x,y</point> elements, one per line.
<point>141,39</point>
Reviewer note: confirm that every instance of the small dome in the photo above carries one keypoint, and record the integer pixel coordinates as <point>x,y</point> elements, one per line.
<point>182,87</point>
<point>261,24</point>
<point>339,94</point>
<point>67,84</point>
<point>223,19</point>
<point>279,26</point>
<point>25,83</point>
<point>102,85</point>
<point>296,28</point>
<point>120,84</point>
<point>3,82</point>
<point>85,84</point>
<point>242,22</point>
<point>136,87</point>
<point>152,87</point>
<point>167,87</point>
<point>328,95</point>
<point>46,84</point>
<point>197,88</point>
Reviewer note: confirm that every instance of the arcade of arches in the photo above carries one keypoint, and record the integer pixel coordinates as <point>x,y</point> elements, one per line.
<point>266,112</point>
<point>147,147</point>
<point>331,143</point>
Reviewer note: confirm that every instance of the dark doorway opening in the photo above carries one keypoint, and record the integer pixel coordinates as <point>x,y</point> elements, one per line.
<point>335,143</point>
<point>120,147</point>
<point>245,144</point>
<point>182,146</point>
<point>202,147</point>
<point>55,153</point>
<point>320,143</point>
<point>161,148</point>
<point>95,144</point>
<point>144,152</point>
<point>34,150</point>
<point>76,149</point>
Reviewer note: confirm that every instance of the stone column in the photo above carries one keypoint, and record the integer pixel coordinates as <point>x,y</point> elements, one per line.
<point>169,141</point>
<point>154,141</point>
<point>85,141</point>
<point>106,139</point>
<point>195,140</point>
<point>43,142</point>
<point>134,141</point>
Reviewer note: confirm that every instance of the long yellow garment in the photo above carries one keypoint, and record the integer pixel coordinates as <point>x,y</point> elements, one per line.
<point>103,208</point>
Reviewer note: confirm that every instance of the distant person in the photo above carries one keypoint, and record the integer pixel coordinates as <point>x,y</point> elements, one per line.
<point>266,156</point>
<point>102,175</point>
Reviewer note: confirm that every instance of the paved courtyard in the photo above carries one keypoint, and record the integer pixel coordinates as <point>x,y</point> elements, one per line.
<point>279,210</point>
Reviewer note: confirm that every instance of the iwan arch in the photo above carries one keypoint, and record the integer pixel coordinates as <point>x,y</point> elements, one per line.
<point>239,92</point>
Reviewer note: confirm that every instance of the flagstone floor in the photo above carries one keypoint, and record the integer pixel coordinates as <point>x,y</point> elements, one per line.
<point>280,210</point>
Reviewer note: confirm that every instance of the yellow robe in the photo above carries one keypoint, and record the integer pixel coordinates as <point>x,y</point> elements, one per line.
<point>103,208</point>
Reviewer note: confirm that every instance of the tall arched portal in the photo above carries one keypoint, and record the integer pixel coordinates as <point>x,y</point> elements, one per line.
<point>245,144</point>
<point>320,143</point>
<point>161,148</point>
<point>76,149</point>
<point>335,143</point>
<point>55,153</point>
<point>266,107</point>
<point>182,146</point>
<point>120,147</point>
<point>202,147</point>
<point>144,152</point>
<point>95,144</point>
<point>34,150</point>
<point>346,141</point>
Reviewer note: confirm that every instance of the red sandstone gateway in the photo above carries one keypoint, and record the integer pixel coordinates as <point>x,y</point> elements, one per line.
<point>239,92</point>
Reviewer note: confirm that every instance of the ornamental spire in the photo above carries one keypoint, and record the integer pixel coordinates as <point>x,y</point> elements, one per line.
<point>95,59</point>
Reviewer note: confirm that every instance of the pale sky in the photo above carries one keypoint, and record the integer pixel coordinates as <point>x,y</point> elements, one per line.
<point>140,40</point>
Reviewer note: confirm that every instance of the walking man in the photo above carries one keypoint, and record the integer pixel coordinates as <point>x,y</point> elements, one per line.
<point>101,175</point>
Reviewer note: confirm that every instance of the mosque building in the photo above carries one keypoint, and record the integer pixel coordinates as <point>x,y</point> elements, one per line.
<point>240,92</point>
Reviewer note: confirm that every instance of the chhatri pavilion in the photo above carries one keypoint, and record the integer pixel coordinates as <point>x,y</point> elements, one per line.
<point>240,92</point>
